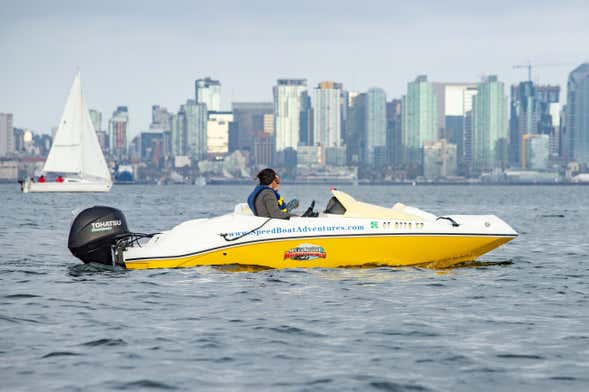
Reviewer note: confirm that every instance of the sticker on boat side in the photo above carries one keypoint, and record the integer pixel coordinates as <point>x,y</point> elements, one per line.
<point>305,252</point>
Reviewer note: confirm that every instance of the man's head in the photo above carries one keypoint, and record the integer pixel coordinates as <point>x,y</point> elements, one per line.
<point>269,178</point>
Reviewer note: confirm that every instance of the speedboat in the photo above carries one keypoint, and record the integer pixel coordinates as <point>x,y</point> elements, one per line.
<point>348,233</point>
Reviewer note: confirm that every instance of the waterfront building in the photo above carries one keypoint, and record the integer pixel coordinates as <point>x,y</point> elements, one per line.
<point>103,141</point>
<point>208,91</point>
<point>195,129</point>
<point>419,118</point>
<point>335,156</point>
<point>118,128</point>
<point>311,155</point>
<point>289,95</point>
<point>175,135</point>
<point>368,122</point>
<point>489,137</point>
<point>327,114</point>
<point>576,139</point>
<point>439,159</point>
<point>306,121</point>
<point>464,149</point>
<point>178,132</point>
<point>6,134</point>
<point>249,119</point>
<point>535,152</point>
<point>264,149</point>
<point>152,148</point>
<point>456,102</point>
<point>354,127</point>
<point>376,127</point>
<point>96,119</point>
<point>19,139</point>
<point>393,141</point>
<point>218,133</point>
<point>160,118</point>
<point>532,112</point>
<point>268,121</point>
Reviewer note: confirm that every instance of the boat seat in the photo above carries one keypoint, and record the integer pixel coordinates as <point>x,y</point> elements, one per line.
<point>242,209</point>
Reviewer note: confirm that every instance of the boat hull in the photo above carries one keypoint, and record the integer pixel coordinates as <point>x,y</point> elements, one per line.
<point>432,251</point>
<point>78,186</point>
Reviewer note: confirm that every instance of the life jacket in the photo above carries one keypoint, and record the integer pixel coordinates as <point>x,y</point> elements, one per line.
<point>251,200</point>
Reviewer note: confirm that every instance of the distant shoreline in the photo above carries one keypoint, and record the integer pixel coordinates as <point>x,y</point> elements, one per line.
<point>285,182</point>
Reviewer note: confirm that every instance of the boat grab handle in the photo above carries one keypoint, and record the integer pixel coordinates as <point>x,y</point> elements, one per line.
<point>224,235</point>
<point>454,223</point>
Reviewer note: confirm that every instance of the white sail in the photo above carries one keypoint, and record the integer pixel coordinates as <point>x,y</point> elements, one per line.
<point>76,148</point>
<point>93,162</point>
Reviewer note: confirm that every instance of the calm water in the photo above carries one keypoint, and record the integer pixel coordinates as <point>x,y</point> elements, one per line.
<point>522,325</point>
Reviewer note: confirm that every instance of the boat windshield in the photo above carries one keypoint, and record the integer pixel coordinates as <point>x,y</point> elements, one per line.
<point>334,207</point>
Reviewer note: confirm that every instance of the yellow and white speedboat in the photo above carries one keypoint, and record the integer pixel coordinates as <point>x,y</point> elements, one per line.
<point>348,233</point>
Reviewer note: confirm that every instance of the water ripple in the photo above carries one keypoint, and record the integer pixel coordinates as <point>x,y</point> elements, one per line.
<point>515,320</point>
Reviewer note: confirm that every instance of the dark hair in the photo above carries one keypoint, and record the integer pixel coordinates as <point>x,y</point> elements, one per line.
<point>266,176</point>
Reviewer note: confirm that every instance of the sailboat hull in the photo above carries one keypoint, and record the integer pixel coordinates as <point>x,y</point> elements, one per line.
<point>66,186</point>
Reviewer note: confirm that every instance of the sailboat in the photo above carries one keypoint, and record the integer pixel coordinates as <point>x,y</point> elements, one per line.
<point>75,158</point>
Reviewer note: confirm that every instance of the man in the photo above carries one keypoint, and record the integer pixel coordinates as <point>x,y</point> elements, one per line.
<point>265,199</point>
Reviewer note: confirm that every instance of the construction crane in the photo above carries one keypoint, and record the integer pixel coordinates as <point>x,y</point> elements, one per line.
<point>529,66</point>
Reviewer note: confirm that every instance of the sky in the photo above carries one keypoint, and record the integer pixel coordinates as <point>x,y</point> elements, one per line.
<point>140,53</point>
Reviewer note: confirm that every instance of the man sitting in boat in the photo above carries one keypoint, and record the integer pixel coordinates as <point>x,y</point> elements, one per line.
<point>41,178</point>
<point>265,200</point>
<point>59,179</point>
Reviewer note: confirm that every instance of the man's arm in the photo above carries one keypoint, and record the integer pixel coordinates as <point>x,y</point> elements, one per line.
<point>269,201</point>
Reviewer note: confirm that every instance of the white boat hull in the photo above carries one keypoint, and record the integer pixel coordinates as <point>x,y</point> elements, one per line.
<point>66,186</point>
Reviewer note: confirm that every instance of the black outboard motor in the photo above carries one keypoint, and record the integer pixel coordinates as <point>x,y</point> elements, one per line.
<point>95,233</point>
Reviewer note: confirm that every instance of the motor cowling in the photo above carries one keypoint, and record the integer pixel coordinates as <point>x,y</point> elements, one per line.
<point>94,232</point>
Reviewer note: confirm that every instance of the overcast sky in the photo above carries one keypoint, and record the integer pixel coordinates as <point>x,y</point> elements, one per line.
<point>139,53</point>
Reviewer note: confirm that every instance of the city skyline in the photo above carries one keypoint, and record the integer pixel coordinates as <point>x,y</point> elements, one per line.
<point>127,59</point>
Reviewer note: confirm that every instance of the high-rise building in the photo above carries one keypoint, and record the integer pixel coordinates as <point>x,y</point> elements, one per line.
<point>457,100</point>
<point>264,149</point>
<point>354,127</point>
<point>367,139</point>
<point>96,119</point>
<point>195,128</point>
<point>178,132</point>
<point>218,133</point>
<point>376,127</point>
<point>419,118</point>
<point>118,127</point>
<point>530,113</point>
<point>160,118</point>
<point>535,152</point>
<point>268,121</point>
<point>288,98</point>
<point>306,121</point>
<point>394,142</point>
<point>151,147</point>
<point>248,121</point>
<point>6,134</point>
<point>208,91</point>
<point>439,159</point>
<point>489,126</point>
<point>103,141</point>
<point>327,114</point>
<point>576,139</point>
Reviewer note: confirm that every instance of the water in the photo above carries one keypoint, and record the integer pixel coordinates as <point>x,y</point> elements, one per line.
<point>521,324</point>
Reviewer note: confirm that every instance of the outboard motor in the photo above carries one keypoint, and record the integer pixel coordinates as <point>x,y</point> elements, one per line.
<point>95,233</point>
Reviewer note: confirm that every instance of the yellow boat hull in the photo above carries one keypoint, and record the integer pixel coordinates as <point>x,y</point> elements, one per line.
<point>432,251</point>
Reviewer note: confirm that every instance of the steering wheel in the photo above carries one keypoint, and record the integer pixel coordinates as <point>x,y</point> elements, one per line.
<point>310,212</point>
